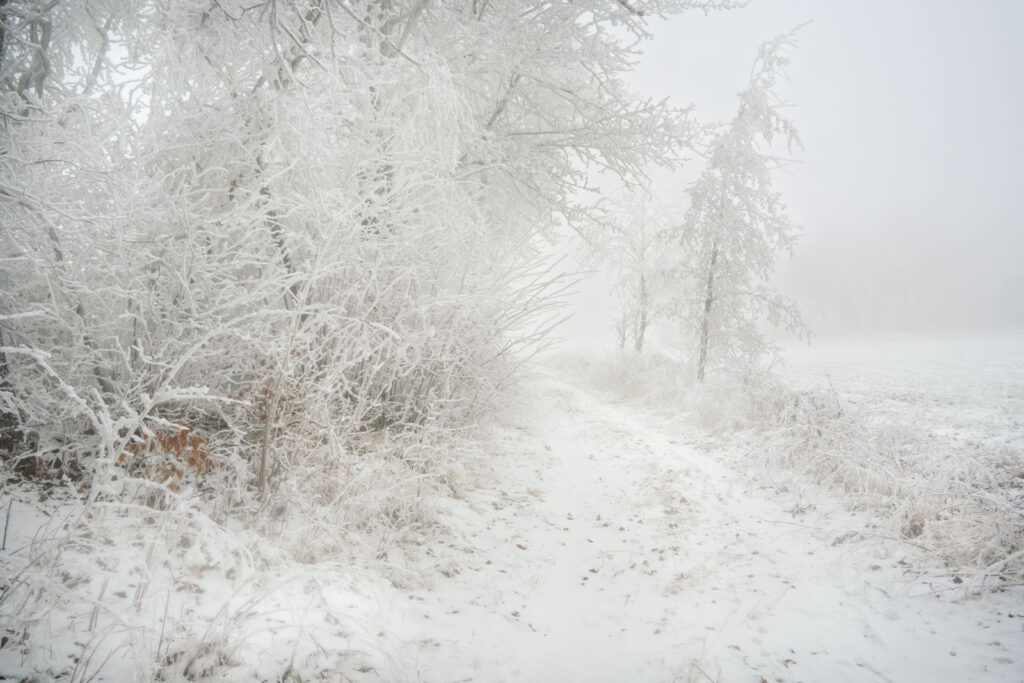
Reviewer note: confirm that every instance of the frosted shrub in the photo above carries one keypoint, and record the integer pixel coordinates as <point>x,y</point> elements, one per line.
<point>625,375</point>
<point>963,503</point>
<point>965,506</point>
<point>301,234</point>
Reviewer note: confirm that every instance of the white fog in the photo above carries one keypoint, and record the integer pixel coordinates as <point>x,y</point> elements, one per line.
<point>509,340</point>
<point>908,181</point>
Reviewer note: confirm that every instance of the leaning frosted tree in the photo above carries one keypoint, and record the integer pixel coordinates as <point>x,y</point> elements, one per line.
<point>735,228</point>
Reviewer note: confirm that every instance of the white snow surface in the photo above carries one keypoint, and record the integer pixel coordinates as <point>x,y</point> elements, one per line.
<point>606,543</point>
<point>965,388</point>
<point>613,550</point>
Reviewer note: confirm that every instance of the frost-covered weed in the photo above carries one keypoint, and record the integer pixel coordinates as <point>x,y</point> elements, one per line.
<point>128,591</point>
<point>962,504</point>
<point>97,584</point>
<point>626,375</point>
<point>360,505</point>
<point>962,501</point>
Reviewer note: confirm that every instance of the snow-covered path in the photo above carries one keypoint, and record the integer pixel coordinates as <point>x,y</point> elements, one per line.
<point>610,550</point>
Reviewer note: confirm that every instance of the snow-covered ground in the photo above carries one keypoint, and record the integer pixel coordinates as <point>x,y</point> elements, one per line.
<point>962,387</point>
<point>613,550</point>
<point>605,543</point>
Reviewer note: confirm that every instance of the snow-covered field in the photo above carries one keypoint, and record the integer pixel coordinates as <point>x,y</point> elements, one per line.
<point>605,542</point>
<point>966,388</point>
<point>926,431</point>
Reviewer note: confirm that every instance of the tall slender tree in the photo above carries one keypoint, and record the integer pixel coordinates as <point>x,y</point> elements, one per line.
<point>735,228</point>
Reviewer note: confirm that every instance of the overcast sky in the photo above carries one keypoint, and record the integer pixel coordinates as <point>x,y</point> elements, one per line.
<point>909,188</point>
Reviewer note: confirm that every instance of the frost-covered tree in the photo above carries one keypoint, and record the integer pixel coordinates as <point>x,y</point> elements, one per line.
<point>735,228</point>
<point>290,224</point>
<point>625,240</point>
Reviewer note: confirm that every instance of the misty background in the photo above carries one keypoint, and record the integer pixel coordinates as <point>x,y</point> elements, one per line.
<point>908,186</point>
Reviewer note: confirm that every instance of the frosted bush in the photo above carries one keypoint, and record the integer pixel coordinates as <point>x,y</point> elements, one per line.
<point>964,506</point>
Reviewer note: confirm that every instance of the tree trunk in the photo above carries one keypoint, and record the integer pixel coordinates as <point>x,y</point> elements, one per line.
<point>641,325</point>
<point>3,35</point>
<point>709,297</point>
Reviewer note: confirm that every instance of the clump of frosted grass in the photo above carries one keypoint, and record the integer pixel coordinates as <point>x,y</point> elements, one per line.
<point>963,502</point>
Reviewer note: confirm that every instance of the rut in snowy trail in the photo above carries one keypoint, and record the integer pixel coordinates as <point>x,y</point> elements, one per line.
<point>609,549</point>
